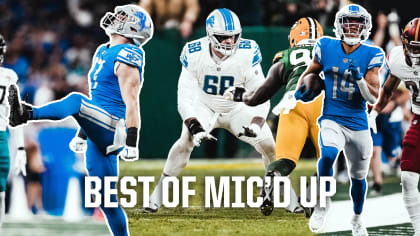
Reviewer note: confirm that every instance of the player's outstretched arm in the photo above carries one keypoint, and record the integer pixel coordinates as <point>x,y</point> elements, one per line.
<point>270,86</point>
<point>129,81</point>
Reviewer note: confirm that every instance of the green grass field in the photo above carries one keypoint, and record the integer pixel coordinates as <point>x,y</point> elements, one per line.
<point>198,220</point>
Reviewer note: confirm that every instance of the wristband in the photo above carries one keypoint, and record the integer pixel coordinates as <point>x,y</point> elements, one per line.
<point>194,127</point>
<point>131,139</point>
<point>21,148</point>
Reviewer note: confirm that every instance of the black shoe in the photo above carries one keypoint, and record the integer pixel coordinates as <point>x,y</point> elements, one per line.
<point>149,210</point>
<point>20,113</point>
<point>267,206</point>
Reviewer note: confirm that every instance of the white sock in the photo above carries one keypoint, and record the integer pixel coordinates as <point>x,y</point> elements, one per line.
<point>411,197</point>
<point>2,207</point>
<point>155,200</point>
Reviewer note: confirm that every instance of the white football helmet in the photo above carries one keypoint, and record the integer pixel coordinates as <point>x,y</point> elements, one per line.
<point>130,21</point>
<point>221,24</point>
<point>352,24</point>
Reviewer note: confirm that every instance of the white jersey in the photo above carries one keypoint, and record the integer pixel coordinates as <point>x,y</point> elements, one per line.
<point>211,79</point>
<point>7,77</point>
<point>410,75</point>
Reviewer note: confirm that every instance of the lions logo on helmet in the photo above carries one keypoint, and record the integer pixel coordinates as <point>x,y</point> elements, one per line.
<point>222,24</point>
<point>411,42</point>
<point>352,24</point>
<point>130,21</point>
<point>307,29</point>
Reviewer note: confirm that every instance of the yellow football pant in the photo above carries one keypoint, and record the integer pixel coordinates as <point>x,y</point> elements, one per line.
<point>295,127</point>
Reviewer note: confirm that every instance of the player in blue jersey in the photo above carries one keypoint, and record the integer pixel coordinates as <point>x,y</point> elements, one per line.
<point>351,78</point>
<point>110,118</point>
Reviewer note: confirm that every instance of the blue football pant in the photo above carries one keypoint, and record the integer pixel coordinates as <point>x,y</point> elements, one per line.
<point>99,126</point>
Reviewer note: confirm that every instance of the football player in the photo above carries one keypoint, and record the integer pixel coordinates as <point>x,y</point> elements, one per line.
<point>404,64</point>
<point>297,121</point>
<point>210,65</point>
<point>7,78</point>
<point>351,78</point>
<point>110,118</point>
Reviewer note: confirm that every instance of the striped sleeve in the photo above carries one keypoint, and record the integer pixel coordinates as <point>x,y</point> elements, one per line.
<point>131,56</point>
<point>317,51</point>
<point>257,58</point>
<point>377,60</point>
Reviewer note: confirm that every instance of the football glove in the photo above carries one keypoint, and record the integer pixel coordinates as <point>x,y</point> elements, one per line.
<point>78,145</point>
<point>372,120</point>
<point>129,153</point>
<point>235,94</point>
<point>250,131</point>
<point>202,136</point>
<point>306,96</point>
<point>20,161</point>
<point>287,104</point>
<point>355,71</point>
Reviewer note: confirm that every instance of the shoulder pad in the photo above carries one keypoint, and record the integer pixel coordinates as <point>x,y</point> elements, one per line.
<point>278,56</point>
<point>190,49</point>
<point>131,55</point>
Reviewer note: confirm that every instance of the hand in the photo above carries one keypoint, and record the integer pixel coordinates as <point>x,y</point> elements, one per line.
<point>250,131</point>
<point>202,136</point>
<point>129,153</point>
<point>355,71</point>
<point>234,94</point>
<point>372,120</point>
<point>306,96</point>
<point>287,104</point>
<point>78,145</point>
<point>20,162</point>
<point>185,28</point>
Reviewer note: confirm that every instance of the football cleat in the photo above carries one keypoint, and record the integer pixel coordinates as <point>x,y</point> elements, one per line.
<point>150,210</point>
<point>267,206</point>
<point>358,227</point>
<point>319,215</point>
<point>20,112</point>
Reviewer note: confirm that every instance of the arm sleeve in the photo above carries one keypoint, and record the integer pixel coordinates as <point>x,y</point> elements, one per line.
<point>187,91</point>
<point>377,60</point>
<point>254,79</point>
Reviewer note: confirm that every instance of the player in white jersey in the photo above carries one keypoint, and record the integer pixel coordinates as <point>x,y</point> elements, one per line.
<point>404,65</point>
<point>211,65</point>
<point>8,77</point>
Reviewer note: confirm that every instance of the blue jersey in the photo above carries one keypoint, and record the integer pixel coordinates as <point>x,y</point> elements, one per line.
<point>343,102</point>
<point>104,87</point>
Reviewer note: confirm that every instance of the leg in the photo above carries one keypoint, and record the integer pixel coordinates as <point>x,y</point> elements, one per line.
<point>410,166</point>
<point>97,164</point>
<point>358,150</point>
<point>60,109</point>
<point>4,172</point>
<point>332,140</point>
<point>178,157</point>
<point>375,166</point>
<point>411,197</point>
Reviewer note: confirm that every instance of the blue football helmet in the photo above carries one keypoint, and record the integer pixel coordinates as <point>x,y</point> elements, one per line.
<point>130,21</point>
<point>220,24</point>
<point>352,24</point>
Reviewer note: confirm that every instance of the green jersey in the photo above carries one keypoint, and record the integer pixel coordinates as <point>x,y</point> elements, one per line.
<point>295,61</point>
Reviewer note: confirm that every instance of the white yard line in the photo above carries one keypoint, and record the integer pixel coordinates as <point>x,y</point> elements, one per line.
<point>379,211</point>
